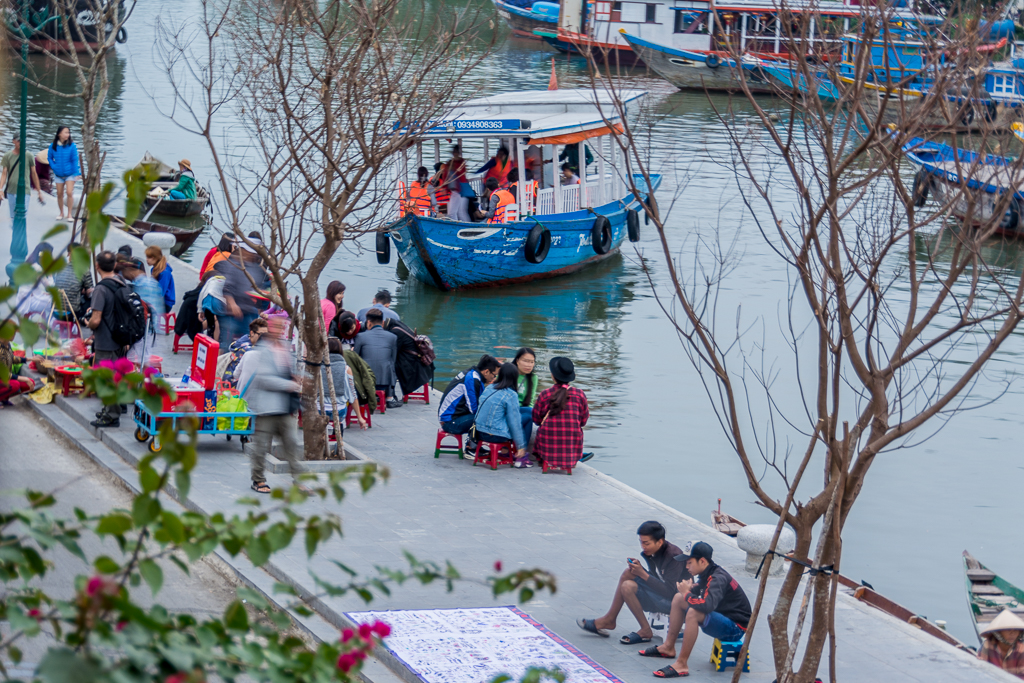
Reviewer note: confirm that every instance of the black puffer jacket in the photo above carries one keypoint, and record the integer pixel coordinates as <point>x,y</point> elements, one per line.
<point>665,571</point>
<point>714,590</point>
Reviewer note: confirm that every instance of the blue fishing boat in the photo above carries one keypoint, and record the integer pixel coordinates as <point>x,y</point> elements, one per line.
<point>945,172</point>
<point>789,77</point>
<point>553,228</point>
<point>526,16</point>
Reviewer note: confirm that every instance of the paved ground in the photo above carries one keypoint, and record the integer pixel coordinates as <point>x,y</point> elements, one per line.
<point>580,527</point>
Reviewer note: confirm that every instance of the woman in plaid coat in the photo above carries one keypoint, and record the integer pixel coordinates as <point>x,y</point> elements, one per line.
<point>560,413</point>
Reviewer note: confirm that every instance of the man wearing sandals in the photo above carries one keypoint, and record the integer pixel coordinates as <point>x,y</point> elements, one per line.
<point>267,382</point>
<point>712,601</point>
<point>643,590</point>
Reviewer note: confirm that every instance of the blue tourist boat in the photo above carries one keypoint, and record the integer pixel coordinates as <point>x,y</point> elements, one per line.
<point>557,229</point>
<point>944,172</point>
<point>526,16</point>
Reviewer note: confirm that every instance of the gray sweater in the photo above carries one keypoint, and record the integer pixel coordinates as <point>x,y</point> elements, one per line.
<point>265,381</point>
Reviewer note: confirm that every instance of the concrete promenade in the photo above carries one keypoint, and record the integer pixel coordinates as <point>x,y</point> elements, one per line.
<point>580,527</point>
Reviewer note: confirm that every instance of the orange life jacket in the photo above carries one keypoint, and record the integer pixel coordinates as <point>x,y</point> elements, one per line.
<point>500,172</point>
<point>441,193</point>
<point>418,200</point>
<point>505,198</point>
<point>531,194</point>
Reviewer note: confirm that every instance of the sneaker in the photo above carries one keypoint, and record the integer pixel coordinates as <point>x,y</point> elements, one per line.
<point>587,456</point>
<point>394,403</point>
<point>106,422</point>
<point>470,445</point>
<point>523,463</point>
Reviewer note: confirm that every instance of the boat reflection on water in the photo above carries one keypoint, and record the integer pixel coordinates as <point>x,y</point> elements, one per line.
<point>579,316</point>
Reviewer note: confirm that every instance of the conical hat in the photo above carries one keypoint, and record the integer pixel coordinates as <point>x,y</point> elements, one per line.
<point>1005,621</point>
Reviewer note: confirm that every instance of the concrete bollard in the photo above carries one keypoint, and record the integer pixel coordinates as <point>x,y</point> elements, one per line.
<point>164,240</point>
<point>755,540</point>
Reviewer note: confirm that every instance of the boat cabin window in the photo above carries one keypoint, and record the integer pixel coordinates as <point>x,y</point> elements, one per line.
<point>689,22</point>
<point>616,11</point>
<point>652,13</point>
<point>1002,84</point>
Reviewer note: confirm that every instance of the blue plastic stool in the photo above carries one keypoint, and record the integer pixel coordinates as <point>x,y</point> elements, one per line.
<point>724,655</point>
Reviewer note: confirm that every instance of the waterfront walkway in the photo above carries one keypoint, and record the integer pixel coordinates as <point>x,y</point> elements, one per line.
<point>580,527</point>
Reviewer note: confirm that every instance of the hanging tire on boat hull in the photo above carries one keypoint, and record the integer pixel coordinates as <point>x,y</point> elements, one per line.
<point>713,61</point>
<point>633,225</point>
<point>601,235</point>
<point>922,185</point>
<point>1011,220</point>
<point>538,242</point>
<point>383,248</point>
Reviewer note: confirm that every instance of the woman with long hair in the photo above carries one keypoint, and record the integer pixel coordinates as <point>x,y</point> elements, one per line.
<point>162,273</point>
<point>560,415</point>
<point>526,361</point>
<point>330,305</point>
<point>62,156</point>
<point>497,414</point>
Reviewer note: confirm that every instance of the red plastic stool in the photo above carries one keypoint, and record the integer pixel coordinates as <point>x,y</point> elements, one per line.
<point>351,419</point>
<point>495,458</point>
<point>421,394</point>
<point>167,323</point>
<point>545,469</point>
<point>382,402</point>
<point>178,346</point>
<point>440,448</point>
<point>69,375</point>
<point>67,329</point>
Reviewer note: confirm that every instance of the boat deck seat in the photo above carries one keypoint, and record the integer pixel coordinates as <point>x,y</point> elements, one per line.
<point>986,589</point>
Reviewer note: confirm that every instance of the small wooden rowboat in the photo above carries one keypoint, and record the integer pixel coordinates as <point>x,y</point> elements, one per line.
<point>167,180</point>
<point>184,237</point>
<point>988,594</point>
<point>729,525</point>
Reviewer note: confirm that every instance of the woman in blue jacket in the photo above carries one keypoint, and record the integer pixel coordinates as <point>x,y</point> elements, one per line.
<point>161,271</point>
<point>63,158</point>
<point>497,414</point>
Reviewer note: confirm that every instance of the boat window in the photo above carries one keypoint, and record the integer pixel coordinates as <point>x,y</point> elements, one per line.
<point>616,11</point>
<point>476,233</point>
<point>689,22</point>
<point>1002,85</point>
<point>681,62</point>
<point>651,16</point>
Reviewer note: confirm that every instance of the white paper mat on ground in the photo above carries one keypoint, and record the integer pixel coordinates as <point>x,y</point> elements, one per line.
<point>476,644</point>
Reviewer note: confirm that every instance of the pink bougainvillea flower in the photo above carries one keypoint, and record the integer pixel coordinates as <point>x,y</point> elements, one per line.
<point>149,371</point>
<point>124,366</point>
<point>497,566</point>
<point>35,614</point>
<point>120,626</point>
<point>359,654</point>
<point>176,678</point>
<point>347,635</point>
<point>106,364</point>
<point>346,662</point>
<point>94,586</point>
<point>382,629</point>
<point>365,631</point>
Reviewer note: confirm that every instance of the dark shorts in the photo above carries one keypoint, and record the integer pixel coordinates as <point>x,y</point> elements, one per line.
<point>652,601</point>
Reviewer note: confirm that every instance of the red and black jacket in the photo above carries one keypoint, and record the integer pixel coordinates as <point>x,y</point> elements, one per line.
<point>714,590</point>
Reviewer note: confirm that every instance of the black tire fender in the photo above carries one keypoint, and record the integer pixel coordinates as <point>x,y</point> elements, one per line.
<point>122,36</point>
<point>601,235</point>
<point>383,248</point>
<point>538,242</point>
<point>922,185</point>
<point>1011,220</point>
<point>633,225</point>
<point>713,61</point>
<point>647,218</point>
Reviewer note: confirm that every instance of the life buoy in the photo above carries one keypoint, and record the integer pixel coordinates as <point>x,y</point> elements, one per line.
<point>601,235</point>
<point>538,242</point>
<point>633,225</point>
<point>122,36</point>
<point>383,248</point>
<point>713,61</point>
<point>922,184</point>
<point>1011,219</point>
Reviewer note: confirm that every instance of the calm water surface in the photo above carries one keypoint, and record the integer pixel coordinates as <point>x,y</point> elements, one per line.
<point>651,423</point>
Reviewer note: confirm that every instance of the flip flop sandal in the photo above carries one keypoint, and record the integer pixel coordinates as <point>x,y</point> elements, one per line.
<point>260,487</point>
<point>669,672</point>
<point>654,652</point>
<point>633,638</point>
<point>589,626</point>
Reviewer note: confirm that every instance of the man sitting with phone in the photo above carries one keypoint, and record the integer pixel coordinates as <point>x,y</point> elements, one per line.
<point>643,590</point>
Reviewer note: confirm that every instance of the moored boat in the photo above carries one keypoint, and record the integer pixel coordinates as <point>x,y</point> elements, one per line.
<point>988,594</point>
<point>184,237</point>
<point>524,20</point>
<point>168,179</point>
<point>47,31</point>
<point>725,523</point>
<point>554,229</point>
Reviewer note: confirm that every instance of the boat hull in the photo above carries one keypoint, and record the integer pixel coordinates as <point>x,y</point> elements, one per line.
<point>607,53</point>
<point>454,255</point>
<point>689,70</point>
<point>184,238</point>
<point>523,22</point>
<point>786,78</point>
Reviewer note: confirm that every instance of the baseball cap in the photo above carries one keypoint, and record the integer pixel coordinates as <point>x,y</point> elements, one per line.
<point>698,550</point>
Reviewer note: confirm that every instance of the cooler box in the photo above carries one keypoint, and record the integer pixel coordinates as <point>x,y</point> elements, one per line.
<point>190,398</point>
<point>197,394</point>
<point>204,361</point>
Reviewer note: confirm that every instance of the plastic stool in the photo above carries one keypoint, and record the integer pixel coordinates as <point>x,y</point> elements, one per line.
<point>545,469</point>
<point>421,394</point>
<point>67,329</point>
<point>440,448</point>
<point>351,419</point>
<point>167,323</point>
<point>178,346</point>
<point>382,402</point>
<point>724,655</point>
<point>495,458</point>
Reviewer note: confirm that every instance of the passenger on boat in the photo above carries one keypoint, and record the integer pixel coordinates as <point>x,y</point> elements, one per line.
<point>186,187</point>
<point>421,198</point>
<point>712,602</point>
<point>218,253</point>
<point>458,204</point>
<point>497,418</point>
<point>533,160</point>
<point>501,203</point>
<point>440,183</point>
<point>568,177</point>
<point>571,155</point>
<point>1003,643</point>
<point>330,305</point>
<point>460,399</point>
<point>498,167</point>
<point>643,590</point>
<point>163,274</point>
<point>513,188</point>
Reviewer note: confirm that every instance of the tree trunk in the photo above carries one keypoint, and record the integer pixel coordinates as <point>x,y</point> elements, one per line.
<point>314,426</point>
<point>778,621</point>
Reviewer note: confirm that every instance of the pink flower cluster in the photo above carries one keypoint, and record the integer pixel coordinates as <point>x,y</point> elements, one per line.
<point>361,643</point>
<point>121,367</point>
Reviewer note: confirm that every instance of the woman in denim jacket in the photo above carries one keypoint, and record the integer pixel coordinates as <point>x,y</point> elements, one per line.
<point>498,418</point>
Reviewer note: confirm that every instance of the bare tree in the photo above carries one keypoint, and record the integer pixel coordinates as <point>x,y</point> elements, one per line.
<point>894,308</point>
<point>330,95</point>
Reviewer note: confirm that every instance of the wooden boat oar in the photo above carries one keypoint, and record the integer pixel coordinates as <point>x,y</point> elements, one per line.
<point>150,212</point>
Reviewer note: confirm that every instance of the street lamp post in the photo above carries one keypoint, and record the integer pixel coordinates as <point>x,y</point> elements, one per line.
<point>19,240</point>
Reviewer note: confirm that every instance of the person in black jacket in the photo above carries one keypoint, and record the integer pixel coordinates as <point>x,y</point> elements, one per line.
<point>643,590</point>
<point>713,602</point>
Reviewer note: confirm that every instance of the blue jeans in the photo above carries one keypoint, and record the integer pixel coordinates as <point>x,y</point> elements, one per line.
<point>526,412</point>
<point>459,425</point>
<point>719,626</point>
<point>176,194</point>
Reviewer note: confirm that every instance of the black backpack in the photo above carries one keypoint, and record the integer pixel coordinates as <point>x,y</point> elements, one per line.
<point>127,323</point>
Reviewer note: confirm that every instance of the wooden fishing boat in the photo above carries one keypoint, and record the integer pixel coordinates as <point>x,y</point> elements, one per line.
<point>988,594</point>
<point>550,229</point>
<point>168,179</point>
<point>184,237</point>
<point>729,525</point>
<point>525,20</point>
